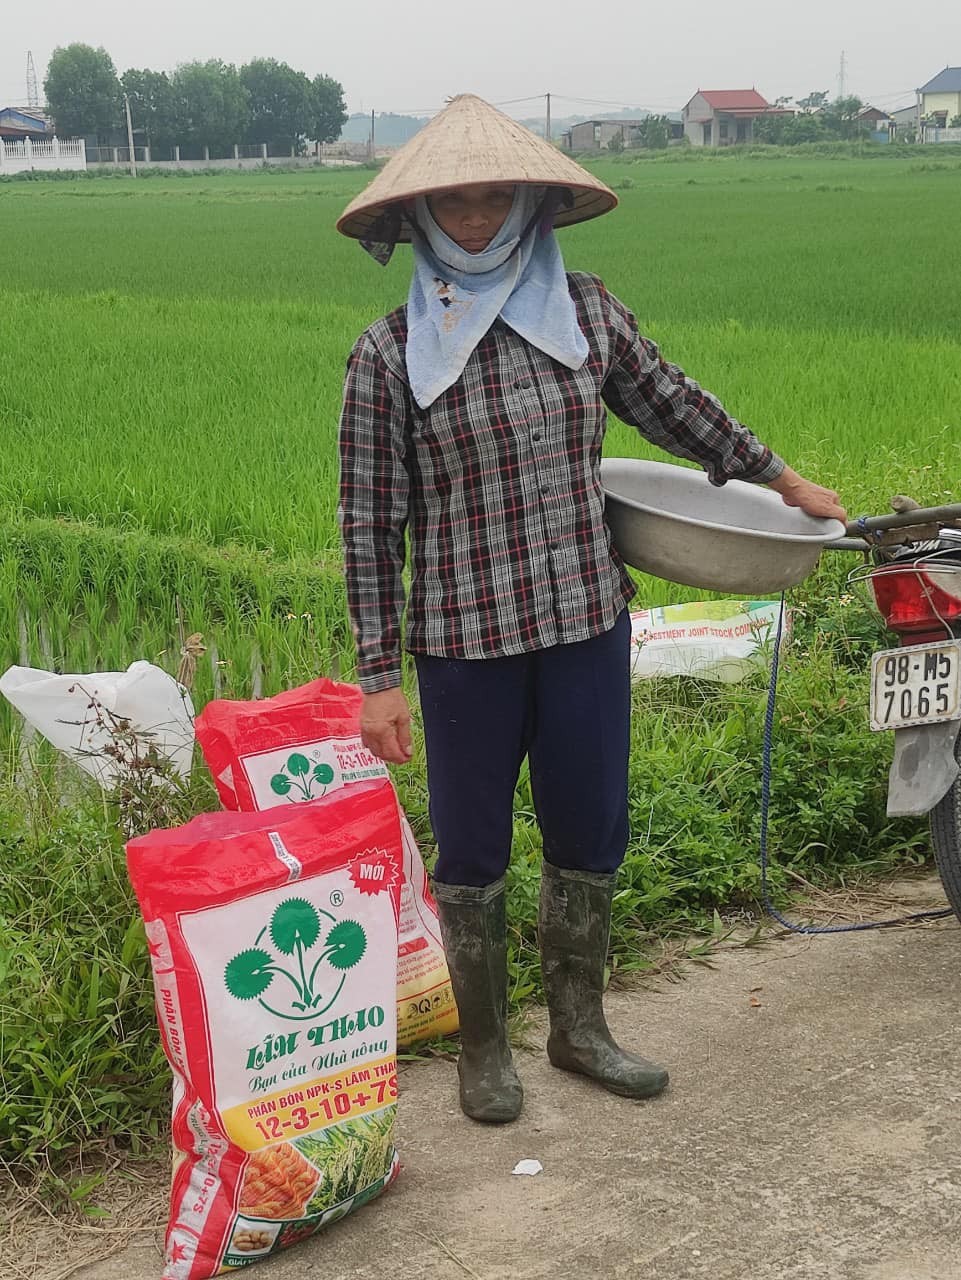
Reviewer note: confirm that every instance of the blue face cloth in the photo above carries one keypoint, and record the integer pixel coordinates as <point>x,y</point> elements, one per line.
<point>456,296</point>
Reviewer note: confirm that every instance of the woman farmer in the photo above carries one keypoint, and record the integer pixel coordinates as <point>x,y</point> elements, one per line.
<point>474,418</point>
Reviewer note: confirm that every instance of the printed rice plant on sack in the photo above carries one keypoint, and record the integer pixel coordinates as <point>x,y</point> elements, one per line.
<point>357,1154</point>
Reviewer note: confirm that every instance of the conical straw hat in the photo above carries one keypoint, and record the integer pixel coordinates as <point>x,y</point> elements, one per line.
<point>471,141</point>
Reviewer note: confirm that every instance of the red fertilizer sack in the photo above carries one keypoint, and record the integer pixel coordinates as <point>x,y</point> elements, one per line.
<point>306,743</point>
<point>273,942</point>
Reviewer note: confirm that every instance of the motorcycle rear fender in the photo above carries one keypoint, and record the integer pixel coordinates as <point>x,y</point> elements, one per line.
<point>923,769</point>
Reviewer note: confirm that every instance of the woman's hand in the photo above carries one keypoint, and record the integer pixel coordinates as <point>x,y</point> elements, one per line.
<point>812,498</point>
<point>385,725</point>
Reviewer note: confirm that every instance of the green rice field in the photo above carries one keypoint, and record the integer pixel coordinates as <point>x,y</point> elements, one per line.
<point>174,350</point>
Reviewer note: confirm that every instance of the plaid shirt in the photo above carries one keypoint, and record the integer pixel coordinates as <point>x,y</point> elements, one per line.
<point>498,482</point>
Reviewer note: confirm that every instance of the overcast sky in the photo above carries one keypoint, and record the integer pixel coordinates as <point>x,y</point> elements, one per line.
<point>410,56</point>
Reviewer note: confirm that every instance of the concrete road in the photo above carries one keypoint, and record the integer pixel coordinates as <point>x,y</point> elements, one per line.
<point>811,1132</point>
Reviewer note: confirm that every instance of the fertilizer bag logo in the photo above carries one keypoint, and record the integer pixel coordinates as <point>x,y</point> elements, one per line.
<point>300,779</point>
<point>300,977</point>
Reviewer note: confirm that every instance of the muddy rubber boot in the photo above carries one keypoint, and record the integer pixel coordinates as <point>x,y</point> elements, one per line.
<point>473,925</point>
<point>573,928</point>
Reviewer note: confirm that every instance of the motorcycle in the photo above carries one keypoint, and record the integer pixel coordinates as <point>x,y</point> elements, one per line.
<point>913,569</point>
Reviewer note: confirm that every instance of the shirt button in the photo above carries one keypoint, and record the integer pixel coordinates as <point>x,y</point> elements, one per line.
<point>523,384</point>
<point>553,546</point>
<point>545,490</point>
<point>536,435</point>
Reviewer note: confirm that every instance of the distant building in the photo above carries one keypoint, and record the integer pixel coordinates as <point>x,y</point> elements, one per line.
<point>724,117</point>
<point>876,124</point>
<point>941,97</point>
<point>28,143</point>
<point>15,125</point>
<point>905,118</point>
<point>878,120</point>
<point>597,135</point>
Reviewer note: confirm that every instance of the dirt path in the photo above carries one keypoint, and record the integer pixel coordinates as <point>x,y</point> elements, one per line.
<point>811,1131</point>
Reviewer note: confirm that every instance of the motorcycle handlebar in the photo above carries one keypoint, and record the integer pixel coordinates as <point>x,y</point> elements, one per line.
<point>901,519</point>
<point>855,540</point>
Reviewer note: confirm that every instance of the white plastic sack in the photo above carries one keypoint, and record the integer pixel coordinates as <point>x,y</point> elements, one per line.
<point>77,713</point>
<point>720,640</point>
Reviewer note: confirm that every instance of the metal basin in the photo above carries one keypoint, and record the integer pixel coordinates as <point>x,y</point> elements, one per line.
<point>740,538</point>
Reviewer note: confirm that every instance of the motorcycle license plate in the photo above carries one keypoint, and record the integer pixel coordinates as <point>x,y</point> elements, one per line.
<point>917,685</point>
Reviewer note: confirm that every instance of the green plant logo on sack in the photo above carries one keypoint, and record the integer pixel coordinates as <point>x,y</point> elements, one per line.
<point>306,771</point>
<point>304,782</point>
<point>299,962</point>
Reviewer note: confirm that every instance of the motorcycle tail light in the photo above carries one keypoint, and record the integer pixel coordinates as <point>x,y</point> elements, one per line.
<point>911,600</point>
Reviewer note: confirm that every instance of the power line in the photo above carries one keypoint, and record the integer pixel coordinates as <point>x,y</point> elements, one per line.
<point>621,103</point>
<point>431,111</point>
<point>649,108</point>
<point>406,111</point>
<point>883,97</point>
<point>509,102</point>
<point>600,102</point>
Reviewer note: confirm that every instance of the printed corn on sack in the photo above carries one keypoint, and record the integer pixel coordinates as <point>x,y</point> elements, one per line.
<point>273,942</point>
<point>306,743</point>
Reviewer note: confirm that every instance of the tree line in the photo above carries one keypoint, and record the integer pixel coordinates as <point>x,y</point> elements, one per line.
<point>817,120</point>
<point>206,104</point>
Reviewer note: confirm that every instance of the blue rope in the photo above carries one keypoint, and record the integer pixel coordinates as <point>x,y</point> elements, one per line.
<point>869,535</point>
<point>765,810</point>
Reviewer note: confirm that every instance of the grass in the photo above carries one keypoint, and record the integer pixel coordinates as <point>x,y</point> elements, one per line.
<point>174,352</point>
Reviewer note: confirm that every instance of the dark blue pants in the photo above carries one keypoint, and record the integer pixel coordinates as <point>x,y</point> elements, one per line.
<point>568,709</point>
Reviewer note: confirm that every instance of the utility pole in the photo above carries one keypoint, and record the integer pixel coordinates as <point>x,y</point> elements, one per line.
<point>547,131</point>
<point>841,75</point>
<point>133,158</point>
<point>33,93</point>
<point>372,141</point>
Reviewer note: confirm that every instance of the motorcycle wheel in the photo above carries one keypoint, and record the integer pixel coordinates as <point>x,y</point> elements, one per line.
<point>946,839</point>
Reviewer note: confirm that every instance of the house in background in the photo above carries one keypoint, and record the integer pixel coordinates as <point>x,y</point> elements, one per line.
<point>876,118</point>
<point>941,97</point>
<point>724,117</point>
<point>597,135</point>
<point>877,124</point>
<point>905,119</point>
<point>15,125</point>
<point>28,142</point>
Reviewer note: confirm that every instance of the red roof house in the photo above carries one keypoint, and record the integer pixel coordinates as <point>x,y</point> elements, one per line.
<point>723,117</point>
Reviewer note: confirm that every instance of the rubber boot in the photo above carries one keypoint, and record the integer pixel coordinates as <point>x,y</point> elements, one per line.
<point>574,930</point>
<point>473,925</point>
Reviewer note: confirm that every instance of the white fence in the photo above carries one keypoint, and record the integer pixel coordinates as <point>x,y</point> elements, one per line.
<point>16,157</point>
<point>240,156</point>
<point>934,134</point>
